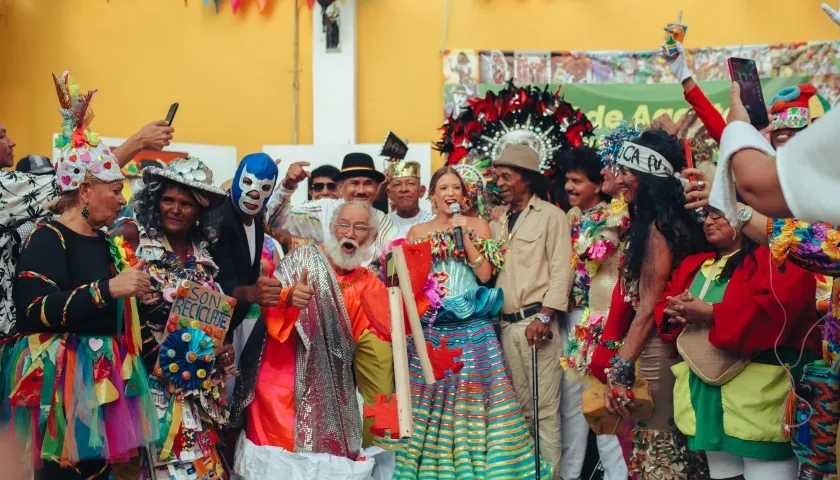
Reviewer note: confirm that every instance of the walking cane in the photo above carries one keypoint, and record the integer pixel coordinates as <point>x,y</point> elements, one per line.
<point>536,395</point>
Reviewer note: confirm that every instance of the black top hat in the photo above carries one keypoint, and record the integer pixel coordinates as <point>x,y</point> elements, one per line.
<point>359,165</point>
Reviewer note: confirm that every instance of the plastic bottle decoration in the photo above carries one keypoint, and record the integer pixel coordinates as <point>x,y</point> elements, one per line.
<point>187,353</point>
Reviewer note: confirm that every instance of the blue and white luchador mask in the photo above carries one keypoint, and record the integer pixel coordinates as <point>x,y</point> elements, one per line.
<point>257,173</point>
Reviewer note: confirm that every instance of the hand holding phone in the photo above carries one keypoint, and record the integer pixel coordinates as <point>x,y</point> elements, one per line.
<point>745,73</point>
<point>171,115</point>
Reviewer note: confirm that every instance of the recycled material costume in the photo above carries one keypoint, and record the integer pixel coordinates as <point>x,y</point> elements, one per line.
<point>78,391</point>
<point>467,424</point>
<point>190,428</point>
<point>596,235</point>
<point>296,395</point>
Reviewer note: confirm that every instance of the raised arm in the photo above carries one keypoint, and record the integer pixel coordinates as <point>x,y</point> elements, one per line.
<point>154,136</point>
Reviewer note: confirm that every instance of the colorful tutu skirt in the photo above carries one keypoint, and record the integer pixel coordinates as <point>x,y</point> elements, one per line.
<point>74,397</point>
<point>467,425</point>
<point>7,346</point>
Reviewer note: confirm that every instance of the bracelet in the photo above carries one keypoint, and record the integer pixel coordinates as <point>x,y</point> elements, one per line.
<point>622,371</point>
<point>478,262</point>
<point>612,345</point>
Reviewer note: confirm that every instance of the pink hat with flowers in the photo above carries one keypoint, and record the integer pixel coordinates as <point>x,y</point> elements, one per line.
<point>81,150</point>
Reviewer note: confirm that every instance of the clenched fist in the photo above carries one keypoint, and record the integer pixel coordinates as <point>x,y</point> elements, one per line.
<point>266,292</point>
<point>131,282</point>
<point>295,174</point>
<point>301,293</point>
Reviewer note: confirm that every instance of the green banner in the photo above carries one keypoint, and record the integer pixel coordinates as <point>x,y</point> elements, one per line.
<point>607,104</point>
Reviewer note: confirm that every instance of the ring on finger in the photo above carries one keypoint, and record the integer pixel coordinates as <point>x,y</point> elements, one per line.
<point>701,184</point>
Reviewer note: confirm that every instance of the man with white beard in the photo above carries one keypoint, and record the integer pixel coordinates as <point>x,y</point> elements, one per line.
<point>278,396</point>
<point>350,246</point>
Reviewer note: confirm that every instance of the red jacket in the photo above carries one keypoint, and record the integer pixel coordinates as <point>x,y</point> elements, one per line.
<point>706,112</point>
<point>749,318</point>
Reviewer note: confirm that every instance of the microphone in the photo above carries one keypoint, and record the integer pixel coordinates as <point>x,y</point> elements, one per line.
<point>455,209</point>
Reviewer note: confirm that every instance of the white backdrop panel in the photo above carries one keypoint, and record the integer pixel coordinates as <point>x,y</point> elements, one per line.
<point>221,159</point>
<point>318,155</point>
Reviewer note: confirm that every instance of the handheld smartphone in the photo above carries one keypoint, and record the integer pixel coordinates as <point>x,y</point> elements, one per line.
<point>689,159</point>
<point>173,109</point>
<point>745,72</point>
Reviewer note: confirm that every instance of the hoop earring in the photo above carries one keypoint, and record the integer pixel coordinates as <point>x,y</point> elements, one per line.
<point>85,213</point>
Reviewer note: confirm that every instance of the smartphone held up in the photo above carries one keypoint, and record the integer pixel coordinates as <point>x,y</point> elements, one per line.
<point>170,116</point>
<point>745,72</point>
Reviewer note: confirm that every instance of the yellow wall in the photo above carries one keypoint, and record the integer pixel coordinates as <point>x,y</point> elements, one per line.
<point>233,74</point>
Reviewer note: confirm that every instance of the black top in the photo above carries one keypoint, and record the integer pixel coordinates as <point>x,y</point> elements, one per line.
<point>231,254</point>
<point>48,274</point>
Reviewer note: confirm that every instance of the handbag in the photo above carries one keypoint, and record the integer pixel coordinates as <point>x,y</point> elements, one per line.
<point>600,420</point>
<point>711,364</point>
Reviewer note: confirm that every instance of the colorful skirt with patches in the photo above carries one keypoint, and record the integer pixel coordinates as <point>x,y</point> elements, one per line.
<point>467,425</point>
<point>74,397</point>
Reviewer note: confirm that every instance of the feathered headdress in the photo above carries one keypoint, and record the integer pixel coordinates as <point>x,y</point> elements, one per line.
<point>81,151</point>
<point>478,174</point>
<point>610,143</point>
<point>517,115</point>
<point>76,114</point>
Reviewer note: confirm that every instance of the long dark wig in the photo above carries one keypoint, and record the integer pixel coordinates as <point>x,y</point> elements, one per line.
<point>745,256</point>
<point>146,206</point>
<point>660,201</point>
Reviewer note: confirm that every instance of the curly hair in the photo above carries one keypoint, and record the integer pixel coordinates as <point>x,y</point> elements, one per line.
<point>660,201</point>
<point>146,206</point>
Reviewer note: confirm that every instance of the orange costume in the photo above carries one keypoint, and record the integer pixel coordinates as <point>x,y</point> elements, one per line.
<point>271,416</point>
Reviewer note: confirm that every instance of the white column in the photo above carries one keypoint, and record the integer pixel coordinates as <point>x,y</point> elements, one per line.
<point>334,79</point>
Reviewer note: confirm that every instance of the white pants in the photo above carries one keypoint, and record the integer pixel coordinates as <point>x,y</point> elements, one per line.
<point>575,430</point>
<point>725,465</point>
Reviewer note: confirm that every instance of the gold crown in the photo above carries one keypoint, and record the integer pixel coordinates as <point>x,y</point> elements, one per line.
<point>402,169</point>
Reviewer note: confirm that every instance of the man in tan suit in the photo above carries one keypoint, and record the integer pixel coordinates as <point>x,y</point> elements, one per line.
<point>535,282</point>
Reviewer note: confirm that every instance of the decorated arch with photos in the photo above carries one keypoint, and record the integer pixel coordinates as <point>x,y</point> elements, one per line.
<point>612,86</point>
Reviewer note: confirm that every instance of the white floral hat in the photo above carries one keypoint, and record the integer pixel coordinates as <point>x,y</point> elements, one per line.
<point>192,173</point>
<point>81,150</point>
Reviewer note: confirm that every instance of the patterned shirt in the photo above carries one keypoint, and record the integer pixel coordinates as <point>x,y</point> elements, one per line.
<point>22,199</point>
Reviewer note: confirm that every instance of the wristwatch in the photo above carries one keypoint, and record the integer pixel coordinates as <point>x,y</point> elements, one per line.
<point>744,216</point>
<point>545,319</point>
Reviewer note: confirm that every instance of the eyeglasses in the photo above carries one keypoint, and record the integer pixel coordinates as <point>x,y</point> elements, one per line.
<point>704,214</point>
<point>319,187</point>
<point>358,229</point>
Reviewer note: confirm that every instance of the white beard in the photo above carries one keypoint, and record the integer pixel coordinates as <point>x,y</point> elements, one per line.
<point>363,253</point>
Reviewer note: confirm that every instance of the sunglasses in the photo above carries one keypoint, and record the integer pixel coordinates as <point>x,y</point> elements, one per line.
<point>319,187</point>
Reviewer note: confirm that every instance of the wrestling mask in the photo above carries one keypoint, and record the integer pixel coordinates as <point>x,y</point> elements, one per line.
<point>253,183</point>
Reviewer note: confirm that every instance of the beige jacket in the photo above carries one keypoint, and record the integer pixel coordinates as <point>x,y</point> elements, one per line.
<point>537,257</point>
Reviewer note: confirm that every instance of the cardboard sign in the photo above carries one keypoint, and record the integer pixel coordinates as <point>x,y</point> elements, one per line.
<point>212,310</point>
<point>198,321</point>
<point>394,147</point>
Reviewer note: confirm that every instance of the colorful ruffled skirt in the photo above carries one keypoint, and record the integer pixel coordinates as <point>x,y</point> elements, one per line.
<point>467,425</point>
<point>74,397</point>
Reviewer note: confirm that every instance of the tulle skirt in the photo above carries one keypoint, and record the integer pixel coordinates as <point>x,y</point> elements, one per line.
<point>74,398</point>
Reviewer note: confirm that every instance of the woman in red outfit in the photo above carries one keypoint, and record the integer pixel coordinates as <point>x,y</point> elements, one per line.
<point>752,310</point>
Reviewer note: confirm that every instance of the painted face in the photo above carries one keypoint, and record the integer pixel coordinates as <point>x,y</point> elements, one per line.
<point>253,183</point>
